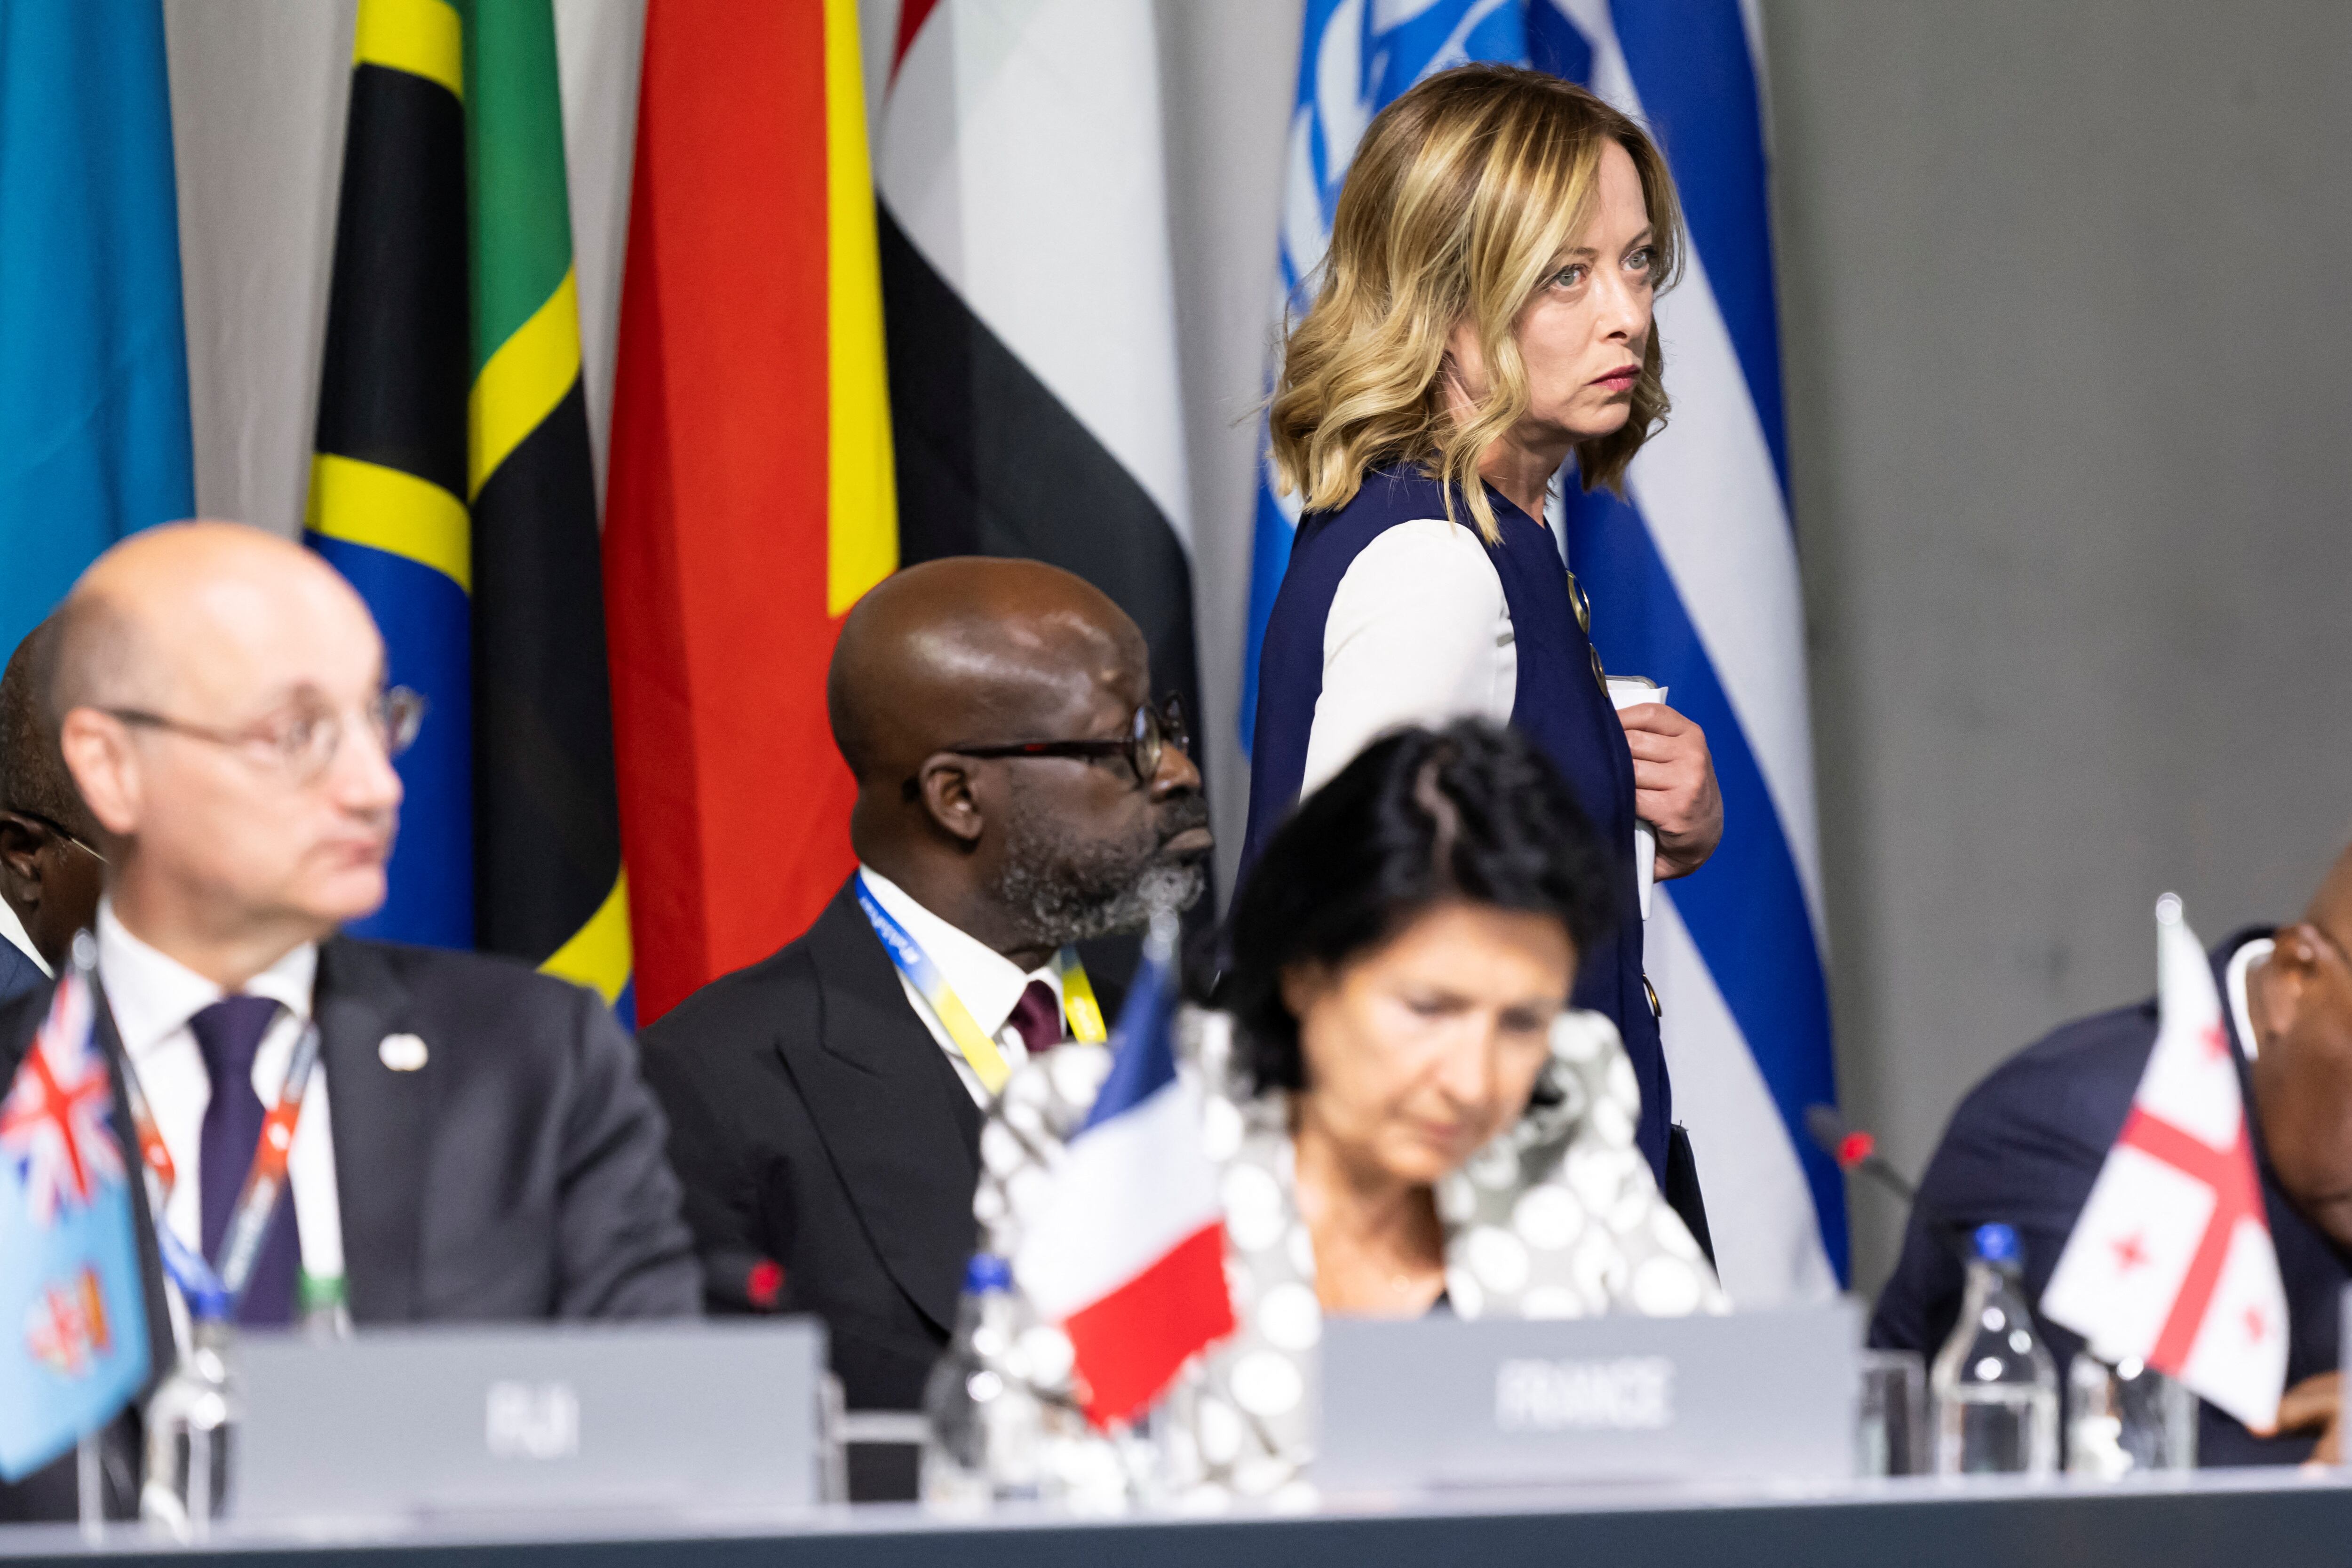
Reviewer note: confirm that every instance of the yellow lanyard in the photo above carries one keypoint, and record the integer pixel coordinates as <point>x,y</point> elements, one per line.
<point>980,1052</point>
<point>1078,1003</point>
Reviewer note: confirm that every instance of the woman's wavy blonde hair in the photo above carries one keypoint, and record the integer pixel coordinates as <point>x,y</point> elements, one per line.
<point>1464,195</point>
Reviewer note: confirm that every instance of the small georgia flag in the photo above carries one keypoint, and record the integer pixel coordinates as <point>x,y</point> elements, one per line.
<point>2171,1262</point>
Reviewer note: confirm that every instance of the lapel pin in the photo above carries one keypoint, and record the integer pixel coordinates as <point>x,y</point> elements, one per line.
<point>401,1053</point>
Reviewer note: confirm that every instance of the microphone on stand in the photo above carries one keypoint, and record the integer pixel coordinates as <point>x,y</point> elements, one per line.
<point>1854,1150</point>
<point>745,1279</point>
<point>1856,1153</point>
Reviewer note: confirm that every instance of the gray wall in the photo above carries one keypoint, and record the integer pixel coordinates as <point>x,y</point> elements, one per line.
<point>2070,397</point>
<point>1230,69</point>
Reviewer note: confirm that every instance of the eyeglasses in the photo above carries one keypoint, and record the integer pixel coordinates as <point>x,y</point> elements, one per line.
<point>57,829</point>
<point>1151,731</point>
<point>304,743</point>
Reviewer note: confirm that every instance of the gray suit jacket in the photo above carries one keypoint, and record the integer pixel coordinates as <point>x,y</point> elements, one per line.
<point>518,1176</point>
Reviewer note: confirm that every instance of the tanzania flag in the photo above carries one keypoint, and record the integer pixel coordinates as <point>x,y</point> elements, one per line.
<point>548,887</point>
<point>389,482</point>
<point>752,497</point>
<point>452,484</point>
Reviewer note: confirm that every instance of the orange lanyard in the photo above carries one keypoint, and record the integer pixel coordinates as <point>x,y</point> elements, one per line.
<point>265,1178</point>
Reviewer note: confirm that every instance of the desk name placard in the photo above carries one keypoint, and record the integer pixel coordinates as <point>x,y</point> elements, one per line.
<point>1446,1403</point>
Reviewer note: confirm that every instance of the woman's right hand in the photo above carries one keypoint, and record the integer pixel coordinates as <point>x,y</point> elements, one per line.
<point>1673,786</point>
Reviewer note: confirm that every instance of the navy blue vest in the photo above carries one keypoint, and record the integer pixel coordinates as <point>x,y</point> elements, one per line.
<point>1559,704</point>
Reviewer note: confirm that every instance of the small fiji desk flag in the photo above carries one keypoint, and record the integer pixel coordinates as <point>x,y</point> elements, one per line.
<point>2171,1262</point>
<point>1128,1251</point>
<point>73,1325</point>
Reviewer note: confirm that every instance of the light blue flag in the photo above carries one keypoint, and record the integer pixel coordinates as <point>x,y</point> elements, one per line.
<point>1692,578</point>
<point>93,356</point>
<point>73,1325</point>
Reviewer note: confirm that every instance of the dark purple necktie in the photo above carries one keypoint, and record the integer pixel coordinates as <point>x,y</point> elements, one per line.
<point>228,1034</point>
<point>1038,1017</point>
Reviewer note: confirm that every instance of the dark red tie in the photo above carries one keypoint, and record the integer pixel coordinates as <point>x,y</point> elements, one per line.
<point>1038,1017</point>
<point>228,1035</point>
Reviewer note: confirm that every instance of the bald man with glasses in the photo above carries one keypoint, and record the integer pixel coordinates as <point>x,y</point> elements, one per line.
<point>1019,791</point>
<point>474,1143</point>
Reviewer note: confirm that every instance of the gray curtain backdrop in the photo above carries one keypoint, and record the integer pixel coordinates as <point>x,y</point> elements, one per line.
<point>2066,334</point>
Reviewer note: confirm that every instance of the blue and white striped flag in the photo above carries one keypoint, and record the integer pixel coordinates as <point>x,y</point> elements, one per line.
<point>1693,584</point>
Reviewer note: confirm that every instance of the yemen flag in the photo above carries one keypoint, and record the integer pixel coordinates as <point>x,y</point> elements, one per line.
<point>751,489</point>
<point>388,484</point>
<point>548,884</point>
<point>1031,307</point>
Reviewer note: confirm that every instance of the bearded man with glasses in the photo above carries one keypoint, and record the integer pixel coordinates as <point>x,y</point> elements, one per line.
<point>1019,791</point>
<point>473,1142</point>
<point>50,869</point>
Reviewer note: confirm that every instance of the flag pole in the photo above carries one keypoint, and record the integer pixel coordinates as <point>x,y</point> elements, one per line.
<point>89,1483</point>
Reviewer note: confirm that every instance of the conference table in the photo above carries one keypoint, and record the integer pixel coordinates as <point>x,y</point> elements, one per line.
<point>2260,1519</point>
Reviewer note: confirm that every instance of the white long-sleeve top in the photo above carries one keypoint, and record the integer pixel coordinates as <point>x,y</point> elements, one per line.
<point>1419,632</point>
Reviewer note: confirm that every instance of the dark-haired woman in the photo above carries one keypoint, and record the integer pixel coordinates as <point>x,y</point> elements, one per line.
<point>1406,1114</point>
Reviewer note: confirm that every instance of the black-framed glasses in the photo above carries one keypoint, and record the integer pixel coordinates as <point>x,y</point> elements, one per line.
<point>303,743</point>
<point>57,829</point>
<point>1151,730</point>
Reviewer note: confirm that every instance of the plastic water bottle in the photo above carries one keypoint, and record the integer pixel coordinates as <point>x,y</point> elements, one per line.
<point>322,1306</point>
<point>985,1443</point>
<point>1995,1387</point>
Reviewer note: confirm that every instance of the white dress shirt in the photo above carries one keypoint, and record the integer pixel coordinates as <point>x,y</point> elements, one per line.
<point>1419,632</point>
<point>988,983</point>
<point>153,997</point>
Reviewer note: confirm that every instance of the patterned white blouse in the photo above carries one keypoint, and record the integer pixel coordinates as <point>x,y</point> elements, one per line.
<point>1558,1217</point>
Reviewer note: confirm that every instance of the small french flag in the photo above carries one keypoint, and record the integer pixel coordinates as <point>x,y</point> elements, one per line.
<point>1128,1249</point>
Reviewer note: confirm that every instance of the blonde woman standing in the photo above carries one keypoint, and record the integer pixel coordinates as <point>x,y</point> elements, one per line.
<point>1483,316</point>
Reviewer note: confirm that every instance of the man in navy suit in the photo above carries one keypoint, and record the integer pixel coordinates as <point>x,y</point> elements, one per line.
<point>51,872</point>
<point>2027,1143</point>
<point>474,1144</point>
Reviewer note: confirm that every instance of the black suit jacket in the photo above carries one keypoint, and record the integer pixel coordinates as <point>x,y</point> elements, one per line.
<point>18,974</point>
<point>2024,1148</point>
<point>818,1124</point>
<point>518,1176</point>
